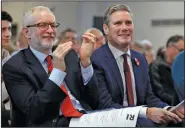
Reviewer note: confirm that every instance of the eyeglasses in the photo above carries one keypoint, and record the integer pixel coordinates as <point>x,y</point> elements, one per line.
<point>177,47</point>
<point>44,26</point>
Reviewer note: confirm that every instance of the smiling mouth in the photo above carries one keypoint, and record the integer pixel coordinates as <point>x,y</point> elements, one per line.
<point>125,35</point>
<point>6,40</point>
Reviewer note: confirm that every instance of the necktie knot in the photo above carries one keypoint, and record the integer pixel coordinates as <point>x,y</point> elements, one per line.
<point>125,56</point>
<point>50,64</point>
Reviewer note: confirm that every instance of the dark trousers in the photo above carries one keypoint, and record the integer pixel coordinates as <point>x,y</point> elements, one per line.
<point>5,116</point>
<point>141,122</point>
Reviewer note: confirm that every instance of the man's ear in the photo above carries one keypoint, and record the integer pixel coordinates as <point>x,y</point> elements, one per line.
<point>105,29</point>
<point>26,33</point>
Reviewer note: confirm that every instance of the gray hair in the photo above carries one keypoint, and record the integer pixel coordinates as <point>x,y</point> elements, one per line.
<point>28,19</point>
<point>94,29</point>
<point>114,8</point>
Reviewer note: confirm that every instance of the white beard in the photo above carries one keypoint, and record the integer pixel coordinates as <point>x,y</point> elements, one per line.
<point>40,45</point>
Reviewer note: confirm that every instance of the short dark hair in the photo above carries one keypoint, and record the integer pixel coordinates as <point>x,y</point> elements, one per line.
<point>174,39</point>
<point>6,16</point>
<point>62,34</point>
<point>112,9</point>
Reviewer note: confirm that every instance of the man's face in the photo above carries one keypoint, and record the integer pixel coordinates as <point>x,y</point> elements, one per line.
<point>6,33</point>
<point>173,50</point>
<point>120,29</point>
<point>70,36</point>
<point>42,38</point>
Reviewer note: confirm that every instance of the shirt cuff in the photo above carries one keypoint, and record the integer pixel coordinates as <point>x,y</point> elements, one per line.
<point>167,107</point>
<point>57,76</point>
<point>142,112</point>
<point>87,73</point>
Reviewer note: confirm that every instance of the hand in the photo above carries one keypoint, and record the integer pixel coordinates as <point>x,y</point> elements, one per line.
<point>179,112</point>
<point>162,116</point>
<point>87,48</point>
<point>59,55</point>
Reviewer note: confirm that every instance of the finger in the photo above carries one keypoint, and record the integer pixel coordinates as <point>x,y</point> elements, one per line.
<point>179,114</point>
<point>65,51</point>
<point>61,52</point>
<point>59,47</point>
<point>169,119</point>
<point>89,39</point>
<point>163,121</point>
<point>63,46</point>
<point>173,115</point>
<point>90,34</point>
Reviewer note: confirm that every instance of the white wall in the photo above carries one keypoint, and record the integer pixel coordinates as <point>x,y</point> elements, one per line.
<point>79,16</point>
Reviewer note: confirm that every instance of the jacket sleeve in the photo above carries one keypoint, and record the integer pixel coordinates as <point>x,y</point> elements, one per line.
<point>157,86</point>
<point>104,97</point>
<point>36,104</point>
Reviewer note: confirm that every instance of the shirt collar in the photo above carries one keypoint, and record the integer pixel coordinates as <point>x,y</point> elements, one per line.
<point>40,56</point>
<point>117,53</point>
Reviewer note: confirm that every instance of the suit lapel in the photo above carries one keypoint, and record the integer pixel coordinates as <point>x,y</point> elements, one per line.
<point>137,73</point>
<point>113,67</point>
<point>72,70</point>
<point>36,67</point>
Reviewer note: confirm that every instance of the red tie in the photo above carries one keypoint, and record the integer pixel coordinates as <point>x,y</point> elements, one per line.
<point>67,108</point>
<point>128,81</point>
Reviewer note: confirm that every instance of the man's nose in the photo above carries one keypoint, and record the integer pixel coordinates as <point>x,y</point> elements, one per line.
<point>8,33</point>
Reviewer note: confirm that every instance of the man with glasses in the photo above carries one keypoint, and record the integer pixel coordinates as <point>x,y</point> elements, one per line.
<point>44,88</point>
<point>160,71</point>
<point>68,35</point>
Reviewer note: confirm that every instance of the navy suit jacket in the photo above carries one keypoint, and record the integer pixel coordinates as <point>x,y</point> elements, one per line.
<point>36,97</point>
<point>111,91</point>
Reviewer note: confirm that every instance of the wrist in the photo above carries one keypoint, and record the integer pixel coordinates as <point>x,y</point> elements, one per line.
<point>85,63</point>
<point>148,113</point>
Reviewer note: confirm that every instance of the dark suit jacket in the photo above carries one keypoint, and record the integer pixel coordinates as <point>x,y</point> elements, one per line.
<point>111,91</point>
<point>162,82</point>
<point>37,97</point>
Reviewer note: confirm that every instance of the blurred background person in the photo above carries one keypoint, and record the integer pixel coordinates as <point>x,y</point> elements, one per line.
<point>178,75</point>
<point>21,41</point>
<point>160,71</point>
<point>136,45</point>
<point>161,53</point>
<point>100,39</point>
<point>6,34</point>
<point>6,26</point>
<point>148,51</point>
<point>68,35</point>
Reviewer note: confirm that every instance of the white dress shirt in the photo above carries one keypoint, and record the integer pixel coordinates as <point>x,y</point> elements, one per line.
<point>119,59</point>
<point>57,76</point>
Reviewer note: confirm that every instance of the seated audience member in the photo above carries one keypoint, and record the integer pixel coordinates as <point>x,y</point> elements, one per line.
<point>178,75</point>
<point>43,86</point>
<point>160,71</point>
<point>6,25</point>
<point>100,39</point>
<point>21,41</point>
<point>136,46</point>
<point>161,53</point>
<point>68,35</point>
<point>122,73</point>
<point>148,52</point>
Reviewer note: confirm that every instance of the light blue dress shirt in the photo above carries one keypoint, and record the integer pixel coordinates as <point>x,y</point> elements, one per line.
<point>57,76</point>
